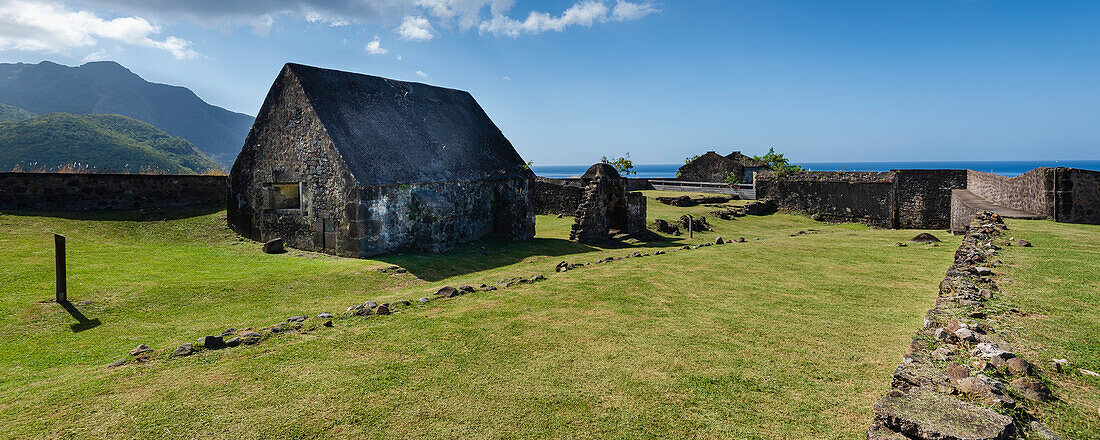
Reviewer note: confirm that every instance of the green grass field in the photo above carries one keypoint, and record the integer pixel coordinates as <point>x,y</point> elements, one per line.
<point>779,337</point>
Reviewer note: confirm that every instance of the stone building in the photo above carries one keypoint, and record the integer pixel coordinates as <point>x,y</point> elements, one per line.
<point>358,165</point>
<point>607,206</point>
<point>713,167</point>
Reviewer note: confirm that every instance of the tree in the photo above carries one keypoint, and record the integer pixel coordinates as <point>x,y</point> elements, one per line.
<point>733,179</point>
<point>778,163</point>
<point>623,164</point>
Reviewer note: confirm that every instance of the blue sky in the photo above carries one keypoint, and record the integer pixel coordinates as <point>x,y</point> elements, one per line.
<point>569,81</point>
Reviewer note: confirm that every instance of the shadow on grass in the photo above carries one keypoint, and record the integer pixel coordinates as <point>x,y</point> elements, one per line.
<point>125,215</point>
<point>83,323</point>
<point>489,254</point>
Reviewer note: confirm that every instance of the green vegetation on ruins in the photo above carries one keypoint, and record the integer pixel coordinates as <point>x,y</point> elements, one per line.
<point>792,334</point>
<point>96,143</point>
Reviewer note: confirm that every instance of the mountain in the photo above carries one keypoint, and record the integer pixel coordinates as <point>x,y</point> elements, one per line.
<point>107,87</point>
<point>12,113</point>
<point>98,143</point>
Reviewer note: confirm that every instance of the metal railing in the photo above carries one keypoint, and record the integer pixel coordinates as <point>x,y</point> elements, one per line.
<point>745,191</point>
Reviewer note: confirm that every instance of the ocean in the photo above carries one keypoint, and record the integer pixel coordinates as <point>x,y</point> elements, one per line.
<point>1004,168</point>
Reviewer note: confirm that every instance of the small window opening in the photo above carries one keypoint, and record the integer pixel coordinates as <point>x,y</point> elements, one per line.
<point>286,195</point>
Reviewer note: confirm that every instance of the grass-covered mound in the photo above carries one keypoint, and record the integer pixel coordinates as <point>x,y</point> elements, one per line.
<point>96,143</point>
<point>786,335</point>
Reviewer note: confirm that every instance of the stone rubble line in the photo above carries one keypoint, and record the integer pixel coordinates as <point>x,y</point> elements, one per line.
<point>250,336</point>
<point>949,383</point>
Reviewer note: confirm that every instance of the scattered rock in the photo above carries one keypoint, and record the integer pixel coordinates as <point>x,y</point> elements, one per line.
<point>1059,365</point>
<point>466,288</point>
<point>324,315</point>
<point>183,350</point>
<point>942,353</point>
<point>213,342</point>
<point>966,336</point>
<point>424,300</point>
<point>233,342</point>
<point>117,363</point>
<point>540,277</point>
<point>403,302</point>
<point>274,246</point>
<point>957,372</point>
<point>986,293</point>
<point>370,304</point>
<point>719,240</point>
<point>447,292</point>
<point>983,271</point>
<point>924,237</point>
<point>561,267</point>
<point>1041,432</point>
<point>296,319</point>
<point>327,323</point>
<point>941,334</point>
<point>665,227</point>
<point>900,244</point>
<point>1023,243</point>
<point>1018,366</point>
<point>1031,388</point>
<point>1088,372</point>
<point>740,239</point>
<point>141,348</point>
<point>250,337</point>
<point>382,310</point>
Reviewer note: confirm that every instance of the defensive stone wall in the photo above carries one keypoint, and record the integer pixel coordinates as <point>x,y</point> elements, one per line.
<point>557,196</point>
<point>840,196</point>
<point>86,192</point>
<point>924,197</point>
<point>1076,196</point>
<point>1031,191</point>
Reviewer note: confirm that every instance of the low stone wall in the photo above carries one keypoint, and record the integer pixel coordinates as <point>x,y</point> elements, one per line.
<point>947,384</point>
<point>84,192</point>
<point>841,196</point>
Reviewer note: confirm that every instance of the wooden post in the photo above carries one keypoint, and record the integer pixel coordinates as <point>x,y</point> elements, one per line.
<point>691,222</point>
<point>59,266</point>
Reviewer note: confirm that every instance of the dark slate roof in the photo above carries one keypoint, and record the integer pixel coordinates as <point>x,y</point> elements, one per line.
<point>394,132</point>
<point>746,161</point>
<point>601,171</point>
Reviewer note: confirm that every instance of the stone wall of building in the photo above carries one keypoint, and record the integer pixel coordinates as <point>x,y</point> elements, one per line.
<point>840,196</point>
<point>434,217</point>
<point>84,192</point>
<point>288,144</point>
<point>924,197</point>
<point>1031,191</point>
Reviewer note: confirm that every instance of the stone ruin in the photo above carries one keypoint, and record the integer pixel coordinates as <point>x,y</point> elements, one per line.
<point>607,206</point>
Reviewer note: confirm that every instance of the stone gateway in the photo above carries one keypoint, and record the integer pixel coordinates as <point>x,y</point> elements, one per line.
<point>358,165</point>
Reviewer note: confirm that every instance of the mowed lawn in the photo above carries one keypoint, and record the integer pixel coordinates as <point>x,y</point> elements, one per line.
<point>778,337</point>
<point>1056,284</point>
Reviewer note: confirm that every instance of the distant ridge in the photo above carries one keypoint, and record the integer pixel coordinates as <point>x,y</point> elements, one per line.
<point>107,87</point>
<point>12,113</point>
<point>96,143</point>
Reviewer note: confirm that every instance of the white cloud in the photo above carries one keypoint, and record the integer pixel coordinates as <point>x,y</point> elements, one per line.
<point>507,78</point>
<point>415,29</point>
<point>400,58</point>
<point>375,47</point>
<point>626,11</point>
<point>98,55</point>
<point>585,13</point>
<point>421,74</point>
<point>415,20</point>
<point>54,28</point>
